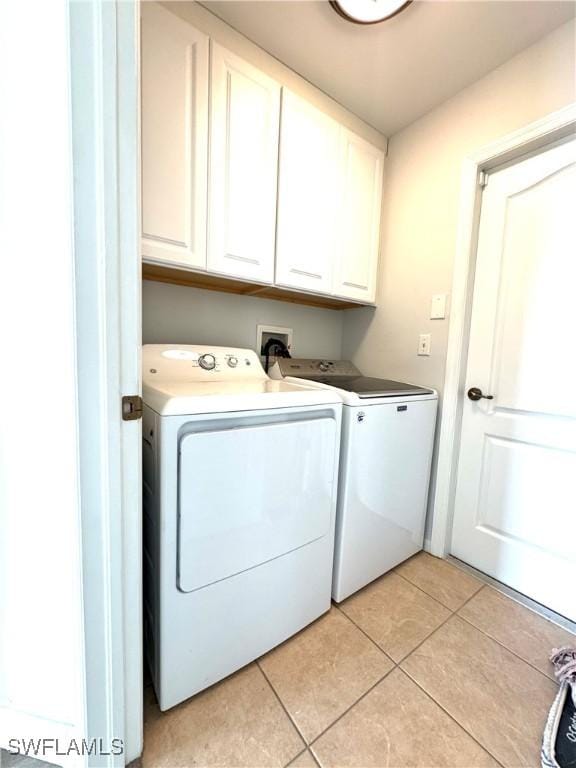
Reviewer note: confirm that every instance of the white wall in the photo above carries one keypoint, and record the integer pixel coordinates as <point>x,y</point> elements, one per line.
<point>421,198</point>
<point>180,314</point>
<point>420,208</point>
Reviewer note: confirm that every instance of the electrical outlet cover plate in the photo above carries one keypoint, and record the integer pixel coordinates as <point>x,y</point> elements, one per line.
<point>438,307</point>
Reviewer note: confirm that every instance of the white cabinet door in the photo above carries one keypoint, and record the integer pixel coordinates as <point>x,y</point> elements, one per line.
<point>244,119</point>
<point>174,138</point>
<point>308,196</point>
<point>362,177</point>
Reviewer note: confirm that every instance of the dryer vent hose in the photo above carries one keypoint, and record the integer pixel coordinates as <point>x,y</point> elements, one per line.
<point>276,347</point>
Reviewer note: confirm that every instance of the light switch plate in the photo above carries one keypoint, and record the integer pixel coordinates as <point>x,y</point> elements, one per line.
<point>424,344</point>
<point>438,307</point>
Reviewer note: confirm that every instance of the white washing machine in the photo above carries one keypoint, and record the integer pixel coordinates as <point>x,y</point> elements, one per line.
<point>240,486</point>
<point>387,440</point>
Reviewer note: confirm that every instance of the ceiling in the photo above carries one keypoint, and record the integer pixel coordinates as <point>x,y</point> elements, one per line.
<point>392,73</point>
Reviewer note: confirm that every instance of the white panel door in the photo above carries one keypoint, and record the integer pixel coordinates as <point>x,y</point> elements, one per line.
<point>308,196</point>
<point>244,120</point>
<point>515,507</point>
<point>174,125</point>
<point>362,178</point>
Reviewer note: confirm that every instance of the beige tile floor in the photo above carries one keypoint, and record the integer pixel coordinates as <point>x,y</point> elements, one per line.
<point>425,667</point>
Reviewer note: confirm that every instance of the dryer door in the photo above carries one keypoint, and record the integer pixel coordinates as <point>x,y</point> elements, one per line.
<point>248,494</point>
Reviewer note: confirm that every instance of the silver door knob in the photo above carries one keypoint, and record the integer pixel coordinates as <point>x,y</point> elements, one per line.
<point>208,362</point>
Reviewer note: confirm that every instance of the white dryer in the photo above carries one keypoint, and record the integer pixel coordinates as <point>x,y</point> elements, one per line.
<point>387,440</point>
<point>240,486</point>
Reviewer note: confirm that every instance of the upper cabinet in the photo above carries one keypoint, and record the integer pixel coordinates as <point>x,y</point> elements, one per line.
<point>329,203</point>
<point>359,220</point>
<point>244,123</point>
<point>236,185</point>
<point>174,126</point>
<point>308,196</point>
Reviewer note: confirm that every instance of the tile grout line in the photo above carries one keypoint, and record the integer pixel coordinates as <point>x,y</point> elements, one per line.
<point>359,628</point>
<point>306,751</point>
<point>397,665</point>
<point>403,659</point>
<point>486,584</point>
<point>289,716</point>
<point>506,648</point>
<point>277,695</point>
<point>313,756</point>
<point>296,758</point>
<point>437,703</point>
<point>452,615</point>
<point>482,585</point>
<point>358,700</point>
<point>309,744</point>
<point>512,594</point>
<point>456,612</point>
<point>446,620</point>
<point>452,612</point>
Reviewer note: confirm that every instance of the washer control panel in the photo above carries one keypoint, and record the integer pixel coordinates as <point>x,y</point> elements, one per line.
<point>306,368</point>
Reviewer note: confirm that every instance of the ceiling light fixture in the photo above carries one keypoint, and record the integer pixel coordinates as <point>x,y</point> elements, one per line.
<point>368,11</point>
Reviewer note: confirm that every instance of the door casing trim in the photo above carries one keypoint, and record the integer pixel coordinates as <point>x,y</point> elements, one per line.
<point>525,141</point>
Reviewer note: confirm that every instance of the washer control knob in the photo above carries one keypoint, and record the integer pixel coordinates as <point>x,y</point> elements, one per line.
<point>324,366</point>
<point>207,361</point>
<point>232,361</point>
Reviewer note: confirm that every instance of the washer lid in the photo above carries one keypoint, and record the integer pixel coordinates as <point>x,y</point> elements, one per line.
<point>365,386</point>
<point>344,375</point>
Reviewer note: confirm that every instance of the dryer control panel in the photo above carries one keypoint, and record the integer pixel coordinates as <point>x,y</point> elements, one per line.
<point>193,362</point>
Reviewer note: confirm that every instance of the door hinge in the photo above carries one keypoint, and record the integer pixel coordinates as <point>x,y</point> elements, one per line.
<point>483,179</point>
<point>131,407</point>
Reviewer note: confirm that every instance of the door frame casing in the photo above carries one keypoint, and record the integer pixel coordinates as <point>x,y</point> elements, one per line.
<point>510,148</point>
<point>104,86</point>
